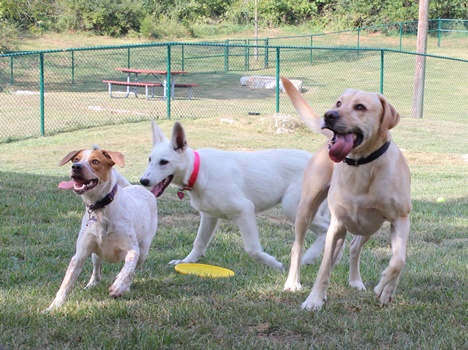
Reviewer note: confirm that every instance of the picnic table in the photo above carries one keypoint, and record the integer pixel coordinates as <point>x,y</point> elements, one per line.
<point>158,79</point>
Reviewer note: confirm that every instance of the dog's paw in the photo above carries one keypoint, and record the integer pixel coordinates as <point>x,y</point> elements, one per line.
<point>308,259</point>
<point>54,306</point>
<point>357,284</point>
<point>280,268</point>
<point>292,286</point>
<point>386,294</point>
<point>118,289</point>
<point>91,284</point>
<point>181,261</point>
<point>313,304</point>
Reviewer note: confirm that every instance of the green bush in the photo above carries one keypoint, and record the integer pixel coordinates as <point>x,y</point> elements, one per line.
<point>163,27</point>
<point>8,34</point>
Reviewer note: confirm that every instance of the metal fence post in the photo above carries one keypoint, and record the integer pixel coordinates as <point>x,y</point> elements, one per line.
<point>183,57</point>
<point>401,34</point>
<point>246,56</point>
<point>73,66</point>
<point>226,56</point>
<point>277,79</point>
<point>128,58</point>
<point>12,79</point>
<point>439,31</point>
<point>41,90</point>
<point>358,38</point>
<point>266,54</point>
<point>168,82</point>
<point>311,46</point>
<point>382,54</point>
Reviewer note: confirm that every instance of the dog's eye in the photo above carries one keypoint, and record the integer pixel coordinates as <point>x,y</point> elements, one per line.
<point>95,161</point>
<point>149,160</point>
<point>163,162</point>
<point>76,160</point>
<point>360,107</point>
<point>338,103</point>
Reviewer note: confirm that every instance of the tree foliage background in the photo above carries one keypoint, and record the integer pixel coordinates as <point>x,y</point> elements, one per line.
<point>181,18</point>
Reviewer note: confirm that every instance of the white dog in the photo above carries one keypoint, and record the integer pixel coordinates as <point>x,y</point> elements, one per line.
<point>233,186</point>
<point>119,223</point>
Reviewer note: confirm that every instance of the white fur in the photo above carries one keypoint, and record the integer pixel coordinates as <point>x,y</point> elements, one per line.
<point>234,186</point>
<point>121,231</point>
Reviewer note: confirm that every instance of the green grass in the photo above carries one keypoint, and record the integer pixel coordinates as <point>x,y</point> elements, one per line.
<point>166,310</point>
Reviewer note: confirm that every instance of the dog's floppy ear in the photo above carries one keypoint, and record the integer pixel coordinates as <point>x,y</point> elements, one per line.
<point>179,141</point>
<point>115,157</point>
<point>69,157</point>
<point>305,111</point>
<point>390,117</point>
<point>158,135</point>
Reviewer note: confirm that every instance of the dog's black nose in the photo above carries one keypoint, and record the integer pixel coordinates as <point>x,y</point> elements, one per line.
<point>77,166</point>
<point>331,117</point>
<point>144,182</point>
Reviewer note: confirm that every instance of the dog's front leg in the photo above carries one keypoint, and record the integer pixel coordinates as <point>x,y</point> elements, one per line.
<point>73,271</point>
<point>315,185</point>
<point>333,245</point>
<point>208,225</point>
<point>386,288</point>
<point>247,223</point>
<point>125,277</point>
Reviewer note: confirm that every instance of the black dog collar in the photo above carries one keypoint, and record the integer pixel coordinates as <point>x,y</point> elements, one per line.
<point>373,156</point>
<point>105,201</point>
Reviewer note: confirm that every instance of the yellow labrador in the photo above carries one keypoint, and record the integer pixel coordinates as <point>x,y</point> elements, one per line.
<point>367,180</point>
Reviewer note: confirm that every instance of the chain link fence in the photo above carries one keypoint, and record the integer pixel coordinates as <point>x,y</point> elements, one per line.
<point>46,92</point>
<point>400,36</point>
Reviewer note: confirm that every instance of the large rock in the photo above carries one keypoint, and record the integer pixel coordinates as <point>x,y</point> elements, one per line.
<point>266,82</point>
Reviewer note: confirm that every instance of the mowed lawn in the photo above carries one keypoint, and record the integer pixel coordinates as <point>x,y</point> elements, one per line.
<point>167,310</point>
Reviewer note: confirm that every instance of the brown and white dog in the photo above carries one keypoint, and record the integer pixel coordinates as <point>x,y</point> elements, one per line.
<point>367,181</point>
<point>119,223</point>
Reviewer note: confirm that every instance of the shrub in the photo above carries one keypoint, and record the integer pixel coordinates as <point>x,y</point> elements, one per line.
<point>9,34</point>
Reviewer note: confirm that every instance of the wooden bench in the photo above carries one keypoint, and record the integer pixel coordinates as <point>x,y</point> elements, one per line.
<point>133,85</point>
<point>185,86</point>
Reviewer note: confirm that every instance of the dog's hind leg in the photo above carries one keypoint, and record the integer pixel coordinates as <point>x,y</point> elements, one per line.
<point>97,272</point>
<point>208,225</point>
<point>319,226</point>
<point>386,288</point>
<point>355,279</point>
<point>249,232</point>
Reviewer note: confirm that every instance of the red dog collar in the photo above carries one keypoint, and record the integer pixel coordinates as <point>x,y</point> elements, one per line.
<point>193,177</point>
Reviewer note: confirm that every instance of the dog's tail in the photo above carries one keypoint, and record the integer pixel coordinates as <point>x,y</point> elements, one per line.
<point>308,115</point>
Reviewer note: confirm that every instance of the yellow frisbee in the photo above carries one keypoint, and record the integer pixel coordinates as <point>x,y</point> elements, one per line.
<point>203,270</point>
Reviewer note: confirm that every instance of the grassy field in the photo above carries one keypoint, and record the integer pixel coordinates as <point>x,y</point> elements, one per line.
<point>166,310</point>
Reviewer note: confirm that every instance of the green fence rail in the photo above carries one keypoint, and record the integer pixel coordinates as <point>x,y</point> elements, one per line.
<point>437,28</point>
<point>46,92</point>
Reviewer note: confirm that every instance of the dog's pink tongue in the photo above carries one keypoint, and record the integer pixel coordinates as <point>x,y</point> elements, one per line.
<point>66,185</point>
<point>156,189</point>
<point>343,144</point>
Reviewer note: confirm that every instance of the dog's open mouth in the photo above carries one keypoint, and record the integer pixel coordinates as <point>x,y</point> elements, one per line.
<point>342,144</point>
<point>78,184</point>
<point>159,189</point>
